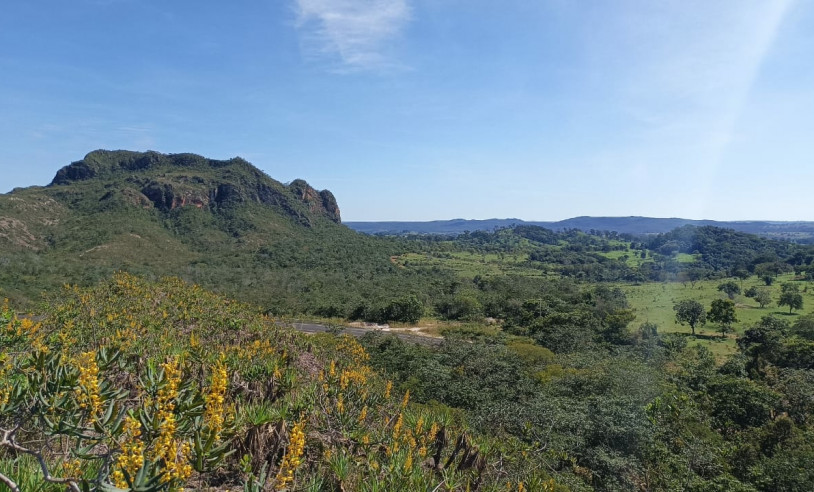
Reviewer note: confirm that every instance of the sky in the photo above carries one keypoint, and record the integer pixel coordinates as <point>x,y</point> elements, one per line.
<point>433,109</point>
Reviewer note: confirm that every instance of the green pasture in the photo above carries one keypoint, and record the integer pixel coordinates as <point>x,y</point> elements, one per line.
<point>468,265</point>
<point>634,259</point>
<point>654,302</point>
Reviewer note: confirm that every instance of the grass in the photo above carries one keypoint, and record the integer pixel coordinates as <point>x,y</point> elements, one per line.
<point>633,259</point>
<point>654,302</point>
<point>468,265</point>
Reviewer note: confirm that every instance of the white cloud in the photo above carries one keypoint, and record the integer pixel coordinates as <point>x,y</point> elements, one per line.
<point>357,31</point>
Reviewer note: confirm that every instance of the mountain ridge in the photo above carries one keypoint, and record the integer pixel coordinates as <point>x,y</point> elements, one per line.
<point>162,179</point>
<point>790,230</point>
<point>168,214</point>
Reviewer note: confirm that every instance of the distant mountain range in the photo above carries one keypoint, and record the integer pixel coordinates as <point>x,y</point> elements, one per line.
<point>796,231</point>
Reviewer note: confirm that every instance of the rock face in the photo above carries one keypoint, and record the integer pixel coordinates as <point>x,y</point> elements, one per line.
<point>168,196</point>
<point>170,181</point>
<point>322,202</point>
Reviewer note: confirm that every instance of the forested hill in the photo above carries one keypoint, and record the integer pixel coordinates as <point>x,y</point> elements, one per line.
<point>795,231</point>
<point>221,223</point>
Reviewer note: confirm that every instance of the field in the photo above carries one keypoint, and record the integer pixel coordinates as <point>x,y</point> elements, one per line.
<point>654,302</point>
<point>468,265</point>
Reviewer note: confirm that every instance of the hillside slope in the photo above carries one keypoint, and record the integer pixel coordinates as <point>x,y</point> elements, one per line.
<point>224,224</point>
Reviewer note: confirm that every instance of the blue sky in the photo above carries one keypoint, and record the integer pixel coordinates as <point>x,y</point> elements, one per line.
<point>433,109</point>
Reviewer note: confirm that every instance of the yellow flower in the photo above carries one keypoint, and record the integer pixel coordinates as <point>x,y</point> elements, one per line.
<point>214,413</point>
<point>397,426</point>
<point>87,391</point>
<point>293,456</point>
<point>132,457</point>
<point>72,469</point>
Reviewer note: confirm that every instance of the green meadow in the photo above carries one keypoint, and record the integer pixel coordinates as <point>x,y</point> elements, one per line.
<point>653,302</point>
<point>468,264</point>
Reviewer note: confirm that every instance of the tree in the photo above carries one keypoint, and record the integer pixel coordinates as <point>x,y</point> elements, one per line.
<point>690,312</point>
<point>696,274</point>
<point>722,311</point>
<point>407,309</point>
<point>729,288</point>
<point>763,297</point>
<point>742,274</point>
<point>791,297</point>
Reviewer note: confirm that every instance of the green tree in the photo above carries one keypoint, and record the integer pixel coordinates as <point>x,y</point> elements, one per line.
<point>791,297</point>
<point>407,309</point>
<point>741,274</point>
<point>763,297</point>
<point>729,288</point>
<point>690,312</point>
<point>722,311</point>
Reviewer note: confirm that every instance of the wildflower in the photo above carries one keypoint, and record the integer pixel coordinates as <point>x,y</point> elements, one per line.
<point>132,458</point>
<point>397,427</point>
<point>171,451</point>
<point>72,469</point>
<point>408,463</point>
<point>213,414</point>
<point>5,389</point>
<point>293,456</point>
<point>87,391</point>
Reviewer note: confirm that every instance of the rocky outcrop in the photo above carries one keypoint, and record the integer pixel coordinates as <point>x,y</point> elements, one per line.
<point>330,206</point>
<point>76,171</point>
<point>16,232</point>
<point>201,182</point>
<point>168,196</point>
<point>320,202</point>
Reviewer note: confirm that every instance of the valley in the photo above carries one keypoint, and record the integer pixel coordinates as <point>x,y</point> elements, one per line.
<point>214,328</point>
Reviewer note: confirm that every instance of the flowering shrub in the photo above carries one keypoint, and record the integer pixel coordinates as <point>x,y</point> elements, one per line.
<point>141,386</point>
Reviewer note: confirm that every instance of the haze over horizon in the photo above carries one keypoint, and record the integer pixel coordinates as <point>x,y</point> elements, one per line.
<point>413,110</point>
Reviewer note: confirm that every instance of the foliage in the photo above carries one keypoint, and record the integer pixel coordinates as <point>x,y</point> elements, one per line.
<point>730,288</point>
<point>690,312</point>
<point>159,386</point>
<point>722,311</point>
<point>790,296</point>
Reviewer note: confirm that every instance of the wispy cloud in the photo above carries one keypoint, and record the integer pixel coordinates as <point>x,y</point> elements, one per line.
<point>355,31</point>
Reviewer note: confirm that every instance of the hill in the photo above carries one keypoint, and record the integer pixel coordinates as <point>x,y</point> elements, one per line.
<point>140,386</point>
<point>221,223</point>
<point>795,231</point>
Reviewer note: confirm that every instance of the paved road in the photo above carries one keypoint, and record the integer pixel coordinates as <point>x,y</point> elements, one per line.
<point>358,332</point>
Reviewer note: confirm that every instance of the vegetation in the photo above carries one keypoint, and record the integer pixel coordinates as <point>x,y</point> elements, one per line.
<point>690,312</point>
<point>161,386</point>
<point>569,360</point>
